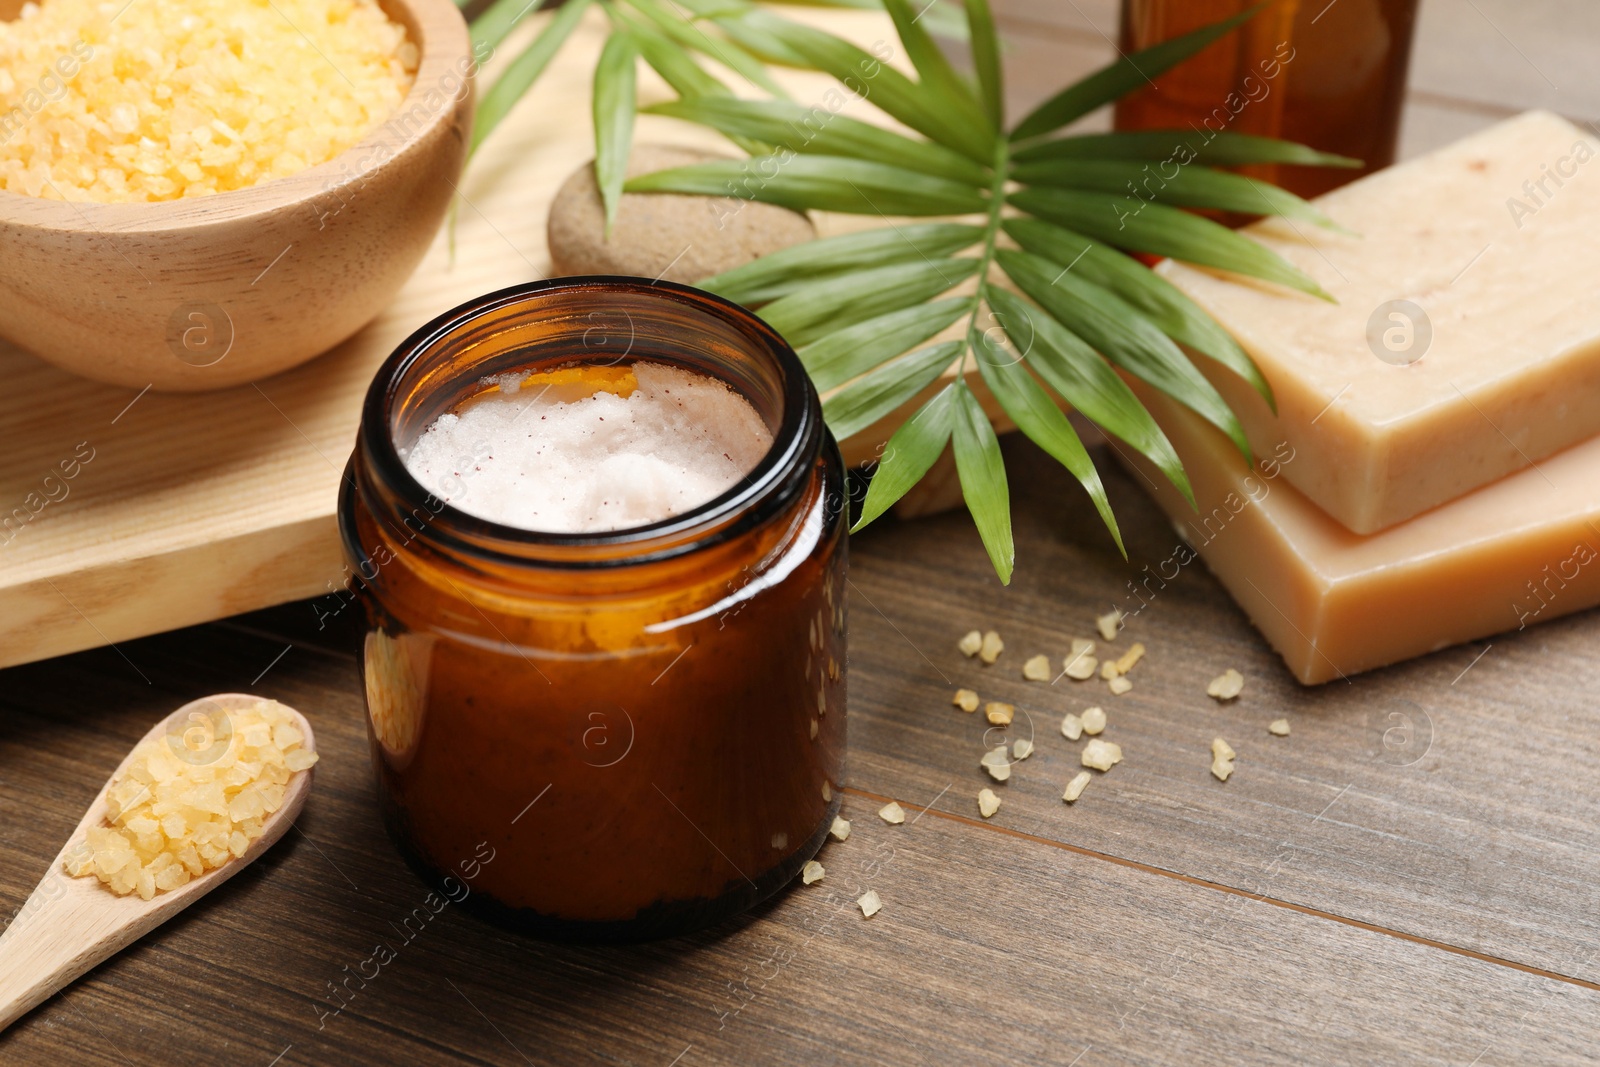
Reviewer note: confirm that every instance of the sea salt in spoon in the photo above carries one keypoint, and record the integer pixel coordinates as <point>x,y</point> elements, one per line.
<point>69,925</point>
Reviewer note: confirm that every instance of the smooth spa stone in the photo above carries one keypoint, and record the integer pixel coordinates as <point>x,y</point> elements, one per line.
<point>1333,603</point>
<point>678,237</point>
<point>1491,364</point>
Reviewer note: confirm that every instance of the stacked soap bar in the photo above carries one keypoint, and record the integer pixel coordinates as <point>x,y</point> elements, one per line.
<point>1442,479</point>
<point>1465,343</point>
<point>1333,603</point>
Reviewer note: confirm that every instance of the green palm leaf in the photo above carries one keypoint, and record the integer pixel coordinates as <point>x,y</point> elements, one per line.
<point>856,304</point>
<point>760,41</point>
<point>888,89</point>
<point>614,77</point>
<point>1122,77</point>
<point>983,480</point>
<point>729,53</point>
<point>910,452</point>
<point>676,67</point>
<point>942,19</point>
<point>713,9</point>
<point>1117,330</point>
<point>843,301</point>
<point>501,17</point>
<point>940,82</point>
<point>688,79</point>
<point>1158,299</point>
<point>819,131</point>
<point>818,183</point>
<point>780,272</point>
<point>1223,149</point>
<point>1191,186</point>
<point>1087,382</point>
<point>876,395</point>
<point>1164,231</point>
<point>1037,416</point>
<point>986,60</point>
<point>524,70</point>
<point>846,353</point>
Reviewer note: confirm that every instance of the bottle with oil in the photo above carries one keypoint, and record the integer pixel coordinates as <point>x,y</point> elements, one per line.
<point>1327,73</point>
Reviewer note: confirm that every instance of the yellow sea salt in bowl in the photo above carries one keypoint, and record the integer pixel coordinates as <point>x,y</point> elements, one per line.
<point>200,193</point>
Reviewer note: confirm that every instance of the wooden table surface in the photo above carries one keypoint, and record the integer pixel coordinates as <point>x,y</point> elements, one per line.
<point>1411,876</point>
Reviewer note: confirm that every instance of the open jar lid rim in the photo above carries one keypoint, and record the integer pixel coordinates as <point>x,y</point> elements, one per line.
<point>770,485</point>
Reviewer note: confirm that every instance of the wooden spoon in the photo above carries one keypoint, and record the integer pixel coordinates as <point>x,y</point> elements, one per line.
<point>69,925</point>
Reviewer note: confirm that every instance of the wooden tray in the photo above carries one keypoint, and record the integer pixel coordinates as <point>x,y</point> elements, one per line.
<point>186,508</point>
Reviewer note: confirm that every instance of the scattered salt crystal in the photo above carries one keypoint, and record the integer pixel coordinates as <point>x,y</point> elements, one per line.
<point>1071,727</point>
<point>970,644</point>
<point>892,813</point>
<point>1075,787</point>
<point>1021,748</point>
<point>840,830</point>
<point>1226,686</point>
<point>870,903</point>
<point>1037,669</point>
<point>1278,727</point>
<point>999,714</point>
<point>996,762</point>
<point>1222,757</point>
<point>991,648</point>
<point>1093,719</point>
<point>965,699</point>
<point>1109,623</point>
<point>1080,666</point>
<point>812,872</point>
<point>988,803</point>
<point>1101,755</point>
<point>1119,685</point>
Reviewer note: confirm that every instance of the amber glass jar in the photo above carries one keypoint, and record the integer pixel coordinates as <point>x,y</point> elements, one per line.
<point>610,736</point>
<point>1330,75</point>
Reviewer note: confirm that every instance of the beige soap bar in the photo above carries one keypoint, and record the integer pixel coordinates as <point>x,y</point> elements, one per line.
<point>1521,551</point>
<point>1492,363</point>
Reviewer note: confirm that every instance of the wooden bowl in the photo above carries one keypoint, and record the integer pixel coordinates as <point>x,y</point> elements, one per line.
<point>210,292</point>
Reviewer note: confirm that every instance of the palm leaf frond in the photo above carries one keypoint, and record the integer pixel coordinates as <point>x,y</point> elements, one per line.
<point>818,183</point>
<point>1060,320</point>
<point>1213,148</point>
<point>1122,77</point>
<point>879,394</point>
<point>778,273</point>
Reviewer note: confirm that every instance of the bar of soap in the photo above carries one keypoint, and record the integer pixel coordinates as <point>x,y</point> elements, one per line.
<point>1333,603</point>
<point>1494,239</point>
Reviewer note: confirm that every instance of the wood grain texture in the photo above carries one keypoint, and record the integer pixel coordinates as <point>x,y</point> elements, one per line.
<point>1440,798</point>
<point>204,293</point>
<point>992,947</point>
<point>1152,923</point>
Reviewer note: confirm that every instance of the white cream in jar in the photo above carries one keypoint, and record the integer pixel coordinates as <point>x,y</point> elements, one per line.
<point>591,449</point>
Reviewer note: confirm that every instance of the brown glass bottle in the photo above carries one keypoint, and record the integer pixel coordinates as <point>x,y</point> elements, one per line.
<point>609,736</point>
<point>1329,75</point>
